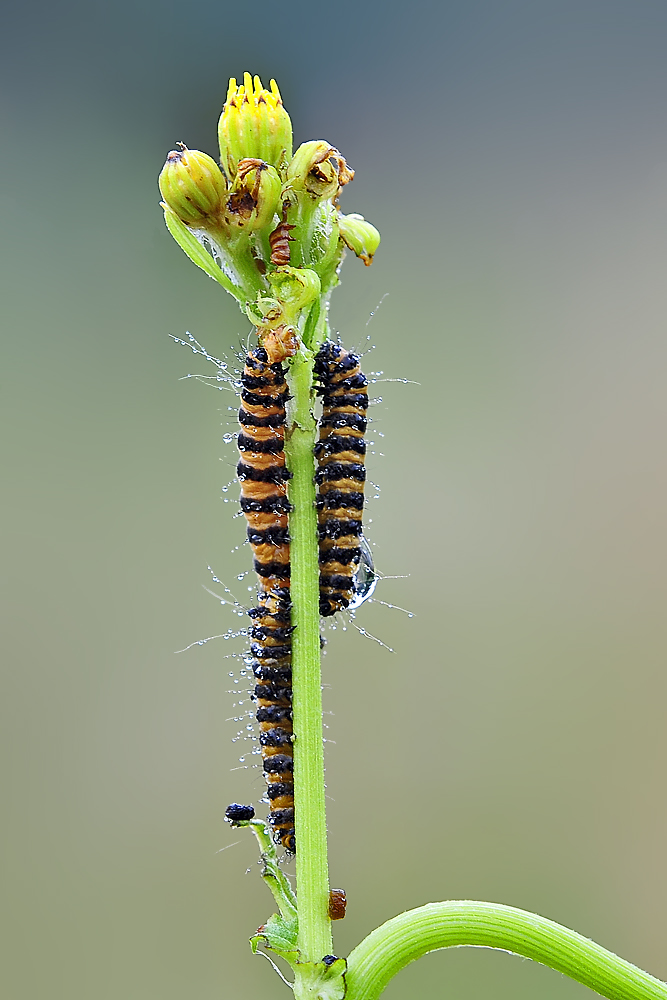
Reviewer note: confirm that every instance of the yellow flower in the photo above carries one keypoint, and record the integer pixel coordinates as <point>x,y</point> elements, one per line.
<point>254,125</point>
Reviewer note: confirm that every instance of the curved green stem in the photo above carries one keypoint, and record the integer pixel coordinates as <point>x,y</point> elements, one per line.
<point>399,941</point>
<point>312,872</point>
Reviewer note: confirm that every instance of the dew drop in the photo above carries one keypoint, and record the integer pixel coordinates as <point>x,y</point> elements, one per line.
<point>364,579</point>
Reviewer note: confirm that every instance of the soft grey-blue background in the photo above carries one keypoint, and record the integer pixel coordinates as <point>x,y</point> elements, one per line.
<point>514,156</point>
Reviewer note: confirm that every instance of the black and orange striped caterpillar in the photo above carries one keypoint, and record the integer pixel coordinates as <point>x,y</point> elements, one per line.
<point>263,476</point>
<point>340,477</point>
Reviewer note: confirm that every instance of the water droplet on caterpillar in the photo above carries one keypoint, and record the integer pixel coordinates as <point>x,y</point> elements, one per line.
<point>364,579</point>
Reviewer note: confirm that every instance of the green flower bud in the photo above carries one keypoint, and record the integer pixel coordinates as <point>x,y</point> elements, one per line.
<point>254,124</point>
<point>192,185</point>
<point>255,194</point>
<point>359,236</point>
<point>294,287</point>
<point>319,170</point>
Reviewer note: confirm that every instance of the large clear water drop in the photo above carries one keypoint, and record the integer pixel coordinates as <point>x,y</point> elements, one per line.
<point>364,579</point>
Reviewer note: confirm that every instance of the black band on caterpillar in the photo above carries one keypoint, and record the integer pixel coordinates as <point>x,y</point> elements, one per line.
<point>248,442</point>
<point>341,473</point>
<point>271,474</point>
<point>264,398</point>
<point>272,505</point>
<point>263,476</point>
<point>341,470</point>
<point>345,420</point>
<point>277,536</point>
<point>261,632</point>
<point>337,527</point>
<point>336,443</point>
<point>339,498</point>
<point>247,419</point>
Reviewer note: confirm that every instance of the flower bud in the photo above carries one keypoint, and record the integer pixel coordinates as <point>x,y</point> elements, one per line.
<point>254,124</point>
<point>318,169</point>
<point>360,236</point>
<point>192,185</point>
<point>295,287</point>
<point>255,194</point>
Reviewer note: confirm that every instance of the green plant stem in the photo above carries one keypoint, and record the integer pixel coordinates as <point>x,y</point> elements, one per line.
<point>312,873</point>
<point>399,941</point>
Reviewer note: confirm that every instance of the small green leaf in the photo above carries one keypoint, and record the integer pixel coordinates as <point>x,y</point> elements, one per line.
<point>190,245</point>
<point>279,935</point>
<point>295,288</point>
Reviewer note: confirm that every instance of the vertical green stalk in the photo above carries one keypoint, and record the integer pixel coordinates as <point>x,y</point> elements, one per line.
<point>312,871</point>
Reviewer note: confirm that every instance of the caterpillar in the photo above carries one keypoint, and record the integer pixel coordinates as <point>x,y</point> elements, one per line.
<point>340,478</point>
<point>263,476</point>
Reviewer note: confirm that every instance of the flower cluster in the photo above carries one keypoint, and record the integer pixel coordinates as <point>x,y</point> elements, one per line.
<point>269,220</point>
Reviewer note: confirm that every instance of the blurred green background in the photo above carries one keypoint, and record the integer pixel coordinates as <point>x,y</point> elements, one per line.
<point>514,156</point>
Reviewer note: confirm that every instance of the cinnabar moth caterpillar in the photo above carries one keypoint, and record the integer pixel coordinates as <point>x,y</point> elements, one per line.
<point>263,476</point>
<point>341,474</point>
